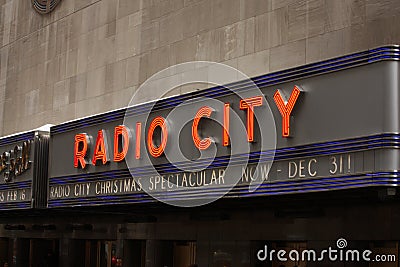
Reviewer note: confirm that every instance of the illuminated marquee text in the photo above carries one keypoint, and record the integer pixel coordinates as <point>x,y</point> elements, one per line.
<point>158,130</point>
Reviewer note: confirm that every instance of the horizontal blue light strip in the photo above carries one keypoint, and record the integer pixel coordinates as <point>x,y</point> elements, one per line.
<point>366,57</point>
<point>17,138</point>
<point>325,148</point>
<point>16,185</point>
<point>15,205</point>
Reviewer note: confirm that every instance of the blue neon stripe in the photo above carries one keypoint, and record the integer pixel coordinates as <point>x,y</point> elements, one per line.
<point>325,148</point>
<point>339,63</point>
<point>17,138</point>
<point>15,205</point>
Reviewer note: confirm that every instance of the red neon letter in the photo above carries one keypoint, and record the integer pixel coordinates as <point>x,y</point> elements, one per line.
<point>249,104</point>
<point>122,131</point>
<point>100,150</point>
<point>157,151</point>
<point>286,107</point>
<point>79,155</point>
<point>138,135</point>
<point>225,130</point>
<point>201,144</point>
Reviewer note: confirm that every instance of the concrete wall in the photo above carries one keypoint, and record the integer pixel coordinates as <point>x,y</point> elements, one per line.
<point>89,56</point>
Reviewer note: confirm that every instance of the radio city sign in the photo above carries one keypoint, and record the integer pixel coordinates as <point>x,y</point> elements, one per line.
<point>203,144</point>
<point>105,149</point>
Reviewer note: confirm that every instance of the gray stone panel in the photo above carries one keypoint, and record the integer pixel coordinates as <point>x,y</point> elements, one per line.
<point>88,55</point>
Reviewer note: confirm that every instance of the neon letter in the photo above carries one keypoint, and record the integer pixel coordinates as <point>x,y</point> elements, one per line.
<point>100,150</point>
<point>138,136</point>
<point>157,151</point>
<point>225,130</point>
<point>79,155</point>
<point>122,131</point>
<point>249,104</point>
<point>285,108</point>
<point>201,144</point>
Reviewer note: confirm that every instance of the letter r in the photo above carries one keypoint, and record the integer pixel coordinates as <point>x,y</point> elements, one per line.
<point>80,149</point>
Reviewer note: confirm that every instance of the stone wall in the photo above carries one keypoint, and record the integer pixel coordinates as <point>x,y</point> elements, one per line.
<point>89,56</point>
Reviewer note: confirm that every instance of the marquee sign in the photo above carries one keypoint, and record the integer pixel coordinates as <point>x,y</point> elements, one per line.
<point>119,144</point>
<point>21,173</point>
<point>335,130</point>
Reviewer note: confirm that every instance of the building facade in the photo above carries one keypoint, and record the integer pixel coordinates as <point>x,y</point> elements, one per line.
<point>84,192</point>
<point>89,57</point>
